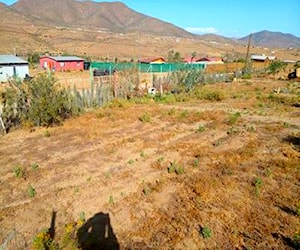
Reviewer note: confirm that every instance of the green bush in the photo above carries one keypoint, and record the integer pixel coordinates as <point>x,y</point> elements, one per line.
<point>276,66</point>
<point>233,118</point>
<point>206,232</point>
<point>48,104</point>
<point>38,102</point>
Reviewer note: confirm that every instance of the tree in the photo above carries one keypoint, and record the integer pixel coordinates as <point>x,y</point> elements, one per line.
<point>177,57</point>
<point>174,56</point>
<point>194,54</point>
<point>34,58</point>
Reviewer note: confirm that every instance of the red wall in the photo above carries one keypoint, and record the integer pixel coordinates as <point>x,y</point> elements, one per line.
<point>60,66</point>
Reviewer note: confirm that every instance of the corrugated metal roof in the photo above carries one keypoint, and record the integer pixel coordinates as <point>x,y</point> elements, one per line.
<point>262,57</point>
<point>65,58</point>
<point>11,59</point>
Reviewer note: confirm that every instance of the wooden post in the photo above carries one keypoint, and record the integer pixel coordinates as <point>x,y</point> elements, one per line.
<point>247,55</point>
<point>2,124</point>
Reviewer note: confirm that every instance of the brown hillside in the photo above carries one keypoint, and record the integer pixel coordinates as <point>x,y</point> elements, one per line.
<point>114,17</point>
<point>106,31</point>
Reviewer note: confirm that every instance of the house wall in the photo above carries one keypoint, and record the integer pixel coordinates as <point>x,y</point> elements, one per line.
<point>49,63</point>
<point>77,65</point>
<point>8,71</point>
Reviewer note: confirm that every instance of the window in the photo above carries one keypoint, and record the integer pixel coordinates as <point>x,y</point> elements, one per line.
<point>62,64</point>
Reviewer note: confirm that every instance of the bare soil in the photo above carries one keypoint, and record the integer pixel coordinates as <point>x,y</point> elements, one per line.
<point>239,179</point>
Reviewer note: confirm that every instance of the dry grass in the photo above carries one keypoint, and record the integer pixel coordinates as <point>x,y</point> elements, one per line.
<point>241,179</point>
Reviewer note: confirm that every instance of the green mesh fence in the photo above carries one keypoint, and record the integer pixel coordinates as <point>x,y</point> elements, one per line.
<point>144,67</point>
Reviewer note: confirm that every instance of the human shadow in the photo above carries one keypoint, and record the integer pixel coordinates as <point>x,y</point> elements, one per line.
<point>97,233</point>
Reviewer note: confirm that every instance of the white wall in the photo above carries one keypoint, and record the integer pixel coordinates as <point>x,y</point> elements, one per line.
<point>7,71</point>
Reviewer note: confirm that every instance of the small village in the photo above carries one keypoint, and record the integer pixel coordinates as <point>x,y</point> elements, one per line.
<point>19,68</point>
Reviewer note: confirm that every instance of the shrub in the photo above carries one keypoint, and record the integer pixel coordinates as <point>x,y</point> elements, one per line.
<point>166,98</point>
<point>48,104</point>
<point>210,95</point>
<point>33,58</point>
<point>200,129</point>
<point>246,76</point>
<point>205,232</point>
<point>19,171</point>
<point>233,118</point>
<point>276,66</point>
<point>174,167</point>
<point>38,102</point>
<point>145,118</point>
<point>258,183</point>
<point>298,209</point>
<point>34,166</point>
<point>31,191</point>
<point>187,78</point>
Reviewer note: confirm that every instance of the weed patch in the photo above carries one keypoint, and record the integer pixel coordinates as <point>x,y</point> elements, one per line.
<point>233,118</point>
<point>210,95</point>
<point>19,171</point>
<point>258,183</point>
<point>205,232</point>
<point>145,118</point>
<point>176,168</point>
<point>200,129</point>
<point>31,191</point>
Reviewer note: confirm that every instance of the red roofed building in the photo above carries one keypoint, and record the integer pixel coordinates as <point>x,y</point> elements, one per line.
<point>190,59</point>
<point>61,63</point>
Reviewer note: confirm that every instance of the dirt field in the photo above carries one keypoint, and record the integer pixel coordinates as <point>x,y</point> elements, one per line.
<point>197,174</point>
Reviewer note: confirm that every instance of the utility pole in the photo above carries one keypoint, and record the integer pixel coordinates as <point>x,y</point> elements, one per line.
<point>247,54</point>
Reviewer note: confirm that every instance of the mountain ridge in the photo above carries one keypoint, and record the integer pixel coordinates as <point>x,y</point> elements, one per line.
<point>272,39</point>
<point>117,17</point>
<point>112,16</point>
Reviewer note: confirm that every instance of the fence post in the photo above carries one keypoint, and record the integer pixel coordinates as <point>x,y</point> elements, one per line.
<point>2,124</point>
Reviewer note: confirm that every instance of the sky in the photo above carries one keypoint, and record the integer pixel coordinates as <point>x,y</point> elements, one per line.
<point>229,18</point>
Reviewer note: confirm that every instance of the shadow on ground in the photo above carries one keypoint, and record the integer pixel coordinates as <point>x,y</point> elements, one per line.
<point>97,233</point>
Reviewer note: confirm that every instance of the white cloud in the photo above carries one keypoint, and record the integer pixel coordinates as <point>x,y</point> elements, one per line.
<point>202,30</point>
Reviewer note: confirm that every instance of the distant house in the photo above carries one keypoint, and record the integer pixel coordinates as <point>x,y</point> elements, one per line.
<point>191,59</point>
<point>211,60</point>
<point>203,60</point>
<point>262,58</point>
<point>12,66</point>
<point>158,60</point>
<point>62,63</point>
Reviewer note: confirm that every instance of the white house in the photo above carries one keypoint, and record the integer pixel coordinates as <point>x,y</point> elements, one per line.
<point>12,66</point>
<point>262,58</point>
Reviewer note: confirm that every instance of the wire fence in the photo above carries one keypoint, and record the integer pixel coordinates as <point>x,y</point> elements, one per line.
<point>144,67</point>
<point>123,80</point>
